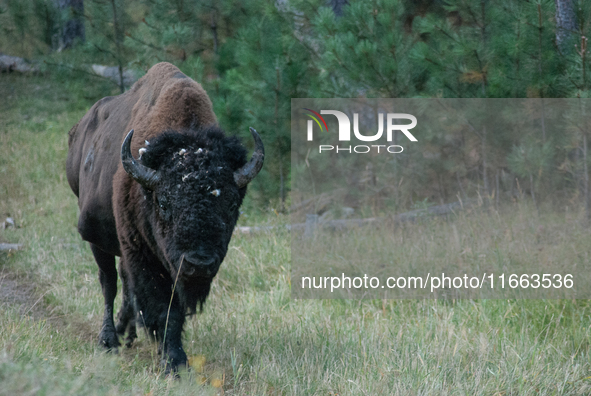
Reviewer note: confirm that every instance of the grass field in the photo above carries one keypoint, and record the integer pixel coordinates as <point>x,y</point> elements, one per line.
<point>252,338</point>
<point>478,240</point>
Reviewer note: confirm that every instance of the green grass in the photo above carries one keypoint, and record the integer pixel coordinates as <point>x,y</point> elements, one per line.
<point>256,340</point>
<point>513,240</point>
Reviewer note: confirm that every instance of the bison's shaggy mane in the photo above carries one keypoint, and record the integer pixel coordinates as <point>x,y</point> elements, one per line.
<point>211,138</point>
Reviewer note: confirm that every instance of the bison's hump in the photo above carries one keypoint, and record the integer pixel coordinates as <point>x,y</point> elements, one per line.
<point>166,99</point>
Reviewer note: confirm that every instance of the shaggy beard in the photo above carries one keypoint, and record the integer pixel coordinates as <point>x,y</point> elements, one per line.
<point>191,292</point>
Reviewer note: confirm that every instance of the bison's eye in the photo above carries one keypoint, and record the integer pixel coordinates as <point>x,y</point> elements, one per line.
<point>233,207</point>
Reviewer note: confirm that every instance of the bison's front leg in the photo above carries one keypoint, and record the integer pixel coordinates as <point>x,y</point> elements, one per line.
<point>171,326</point>
<point>163,318</point>
<point>126,316</point>
<point>108,278</point>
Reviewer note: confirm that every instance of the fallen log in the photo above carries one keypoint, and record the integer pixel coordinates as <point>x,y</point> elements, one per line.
<point>342,224</point>
<point>10,64</point>
<point>10,246</point>
<point>15,64</point>
<point>112,73</point>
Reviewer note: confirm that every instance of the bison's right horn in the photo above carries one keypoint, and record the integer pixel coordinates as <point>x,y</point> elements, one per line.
<point>244,175</point>
<point>142,174</point>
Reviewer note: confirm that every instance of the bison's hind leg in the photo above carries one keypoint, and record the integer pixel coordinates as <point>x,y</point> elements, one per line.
<point>108,278</point>
<point>126,316</point>
<point>126,324</point>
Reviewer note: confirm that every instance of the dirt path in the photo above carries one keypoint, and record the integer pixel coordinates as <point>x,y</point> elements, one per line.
<point>20,294</point>
<point>15,293</point>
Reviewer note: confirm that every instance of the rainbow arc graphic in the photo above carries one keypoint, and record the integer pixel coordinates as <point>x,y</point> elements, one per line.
<point>316,119</point>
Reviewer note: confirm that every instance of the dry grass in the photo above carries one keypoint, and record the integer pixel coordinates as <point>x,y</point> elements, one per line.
<point>514,240</point>
<point>254,337</point>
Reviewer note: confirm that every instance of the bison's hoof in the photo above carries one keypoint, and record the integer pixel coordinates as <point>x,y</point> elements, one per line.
<point>109,341</point>
<point>129,340</point>
<point>131,334</point>
<point>172,368</point>
<point>175,362</point>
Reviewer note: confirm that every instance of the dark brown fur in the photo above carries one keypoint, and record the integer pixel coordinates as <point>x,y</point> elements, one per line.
<point>162,99</point>
<point>120,217</point>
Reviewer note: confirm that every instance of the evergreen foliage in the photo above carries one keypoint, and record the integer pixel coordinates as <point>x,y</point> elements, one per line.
<point>253,57</point>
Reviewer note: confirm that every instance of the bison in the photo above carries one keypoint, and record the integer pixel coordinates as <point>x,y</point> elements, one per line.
<point>169,214</point>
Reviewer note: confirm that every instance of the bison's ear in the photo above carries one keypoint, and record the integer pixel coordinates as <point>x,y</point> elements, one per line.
<point>147,177</point>
<point>244,175</point>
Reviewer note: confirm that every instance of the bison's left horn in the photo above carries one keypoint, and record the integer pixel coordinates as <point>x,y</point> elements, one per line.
<point>142,174</point>
<point>244,175</point>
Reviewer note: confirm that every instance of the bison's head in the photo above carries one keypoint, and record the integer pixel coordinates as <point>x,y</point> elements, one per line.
<point>193,183</point>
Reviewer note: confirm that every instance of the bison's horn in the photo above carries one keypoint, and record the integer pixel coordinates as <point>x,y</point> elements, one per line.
<point>244,175</point>
<point>142,174</point>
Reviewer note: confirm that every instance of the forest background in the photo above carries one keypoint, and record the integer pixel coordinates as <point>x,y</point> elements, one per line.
<point>253,57</point>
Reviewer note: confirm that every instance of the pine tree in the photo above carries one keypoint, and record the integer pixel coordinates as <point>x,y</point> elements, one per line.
<point>365,51</point>
<point>490,50</point>
<point>577,81</point>
<point>108,23</point>
<point>271,67</point>
<point>72,23</point>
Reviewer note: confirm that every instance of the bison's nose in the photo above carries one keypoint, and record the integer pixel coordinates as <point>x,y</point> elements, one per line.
<point>198,262</point>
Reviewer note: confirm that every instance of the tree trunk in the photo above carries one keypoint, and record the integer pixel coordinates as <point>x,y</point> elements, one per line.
<point>566,23</point>
<point>214,32</point>
<point>533,193</point>
<point>497,191</point>
<point>276,121</point>
<point>485,164</point>
<point>464,196</point>
<point>543,122</point>
<point>282,187</point>
<point>72,28</point>
<point>337,6</point>
<point>118,46</point>
<point>586,178</point>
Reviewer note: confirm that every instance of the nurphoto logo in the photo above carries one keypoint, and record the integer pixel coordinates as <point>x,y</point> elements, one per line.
<point>392,124</point>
